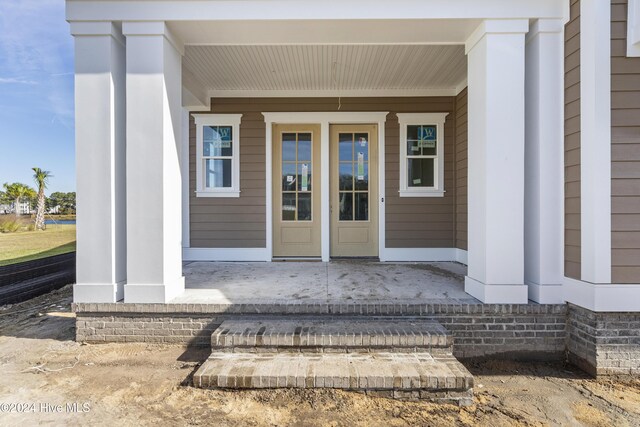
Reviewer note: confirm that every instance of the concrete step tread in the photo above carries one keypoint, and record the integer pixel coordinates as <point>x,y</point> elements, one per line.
<point>338,333</point>
<point>352,371</point>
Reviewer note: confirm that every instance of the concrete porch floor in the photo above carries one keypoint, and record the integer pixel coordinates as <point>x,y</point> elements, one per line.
<point>340,281</point>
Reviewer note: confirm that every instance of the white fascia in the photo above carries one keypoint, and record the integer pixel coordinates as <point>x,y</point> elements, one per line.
<point>198,10</point>
<point>595,143</point>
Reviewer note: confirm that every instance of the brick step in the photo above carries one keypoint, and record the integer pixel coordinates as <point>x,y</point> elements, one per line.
<point>330,335</point>
<point>439,378</point>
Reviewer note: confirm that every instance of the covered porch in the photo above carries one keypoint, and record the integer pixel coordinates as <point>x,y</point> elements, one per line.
<point>141,77</point>
<point>339,281</point>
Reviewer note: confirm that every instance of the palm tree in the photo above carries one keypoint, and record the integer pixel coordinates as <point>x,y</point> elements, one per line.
<point>41,177</point>
<point>16,192</point>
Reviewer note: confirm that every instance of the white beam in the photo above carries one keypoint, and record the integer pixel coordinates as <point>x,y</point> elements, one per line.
<point>221,10</point>
<point>544,167</point>
<point>100,162</point>
<point>154,184</point>
<point>496,54</point>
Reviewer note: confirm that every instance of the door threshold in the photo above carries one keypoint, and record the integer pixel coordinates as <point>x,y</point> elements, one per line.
<point>296,259</point>
<point>355,258</point>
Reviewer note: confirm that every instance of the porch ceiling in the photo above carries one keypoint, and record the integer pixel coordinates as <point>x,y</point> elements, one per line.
<point>222,70</point>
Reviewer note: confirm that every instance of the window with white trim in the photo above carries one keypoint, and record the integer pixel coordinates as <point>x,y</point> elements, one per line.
<point>421,154</point>
<point>217,155</point>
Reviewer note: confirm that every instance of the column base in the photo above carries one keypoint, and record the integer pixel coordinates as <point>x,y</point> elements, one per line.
<point>152,292</point>
<point>98,292</point>
<point>545,294</point>
<point>496,294</point>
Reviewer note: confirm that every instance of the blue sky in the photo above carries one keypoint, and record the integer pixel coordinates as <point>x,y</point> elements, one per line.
<point>36,93</point>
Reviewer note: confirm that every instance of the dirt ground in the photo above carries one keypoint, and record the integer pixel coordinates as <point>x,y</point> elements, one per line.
<point>140,384</point>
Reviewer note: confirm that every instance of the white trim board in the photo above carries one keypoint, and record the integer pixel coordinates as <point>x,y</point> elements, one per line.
<point>321,93</point>
<point>324,119</point>
<point>602,297</point>
<point>424,255</point>
<point>595,143</point>
<point>225,254</point>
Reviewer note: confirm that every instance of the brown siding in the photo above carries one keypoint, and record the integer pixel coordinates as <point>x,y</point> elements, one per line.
<point>232,222</point>
<point>572,249</point>
<point>625,152</point>
<point>410,222</point>
<point>461,170</point>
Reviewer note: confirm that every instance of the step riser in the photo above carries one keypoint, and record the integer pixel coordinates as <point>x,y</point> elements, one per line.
<point>349,335</point>
<point>313,350</point>
<point>406,376</point>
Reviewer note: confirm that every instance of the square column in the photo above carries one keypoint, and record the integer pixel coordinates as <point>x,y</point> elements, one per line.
<point>154,180</point>
<point>100,118</point>
<point>496,76</point>
<point>544,161</point>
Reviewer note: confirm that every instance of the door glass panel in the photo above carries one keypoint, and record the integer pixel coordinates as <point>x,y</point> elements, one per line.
<point>304,147</point>
<point>304,206</point>
<point>346,206</point>
<point>353,179</point>
<point>362,206</point>
<point>345,147</point>
<point>289,177</point>
<point>289,147</point>
<point>346,176</point>
<point>362,181</point>
<point>288,206</point>
<point>421,172</point>
<point>362,145</point>
<point>304,176</point>
<point>296,176</point>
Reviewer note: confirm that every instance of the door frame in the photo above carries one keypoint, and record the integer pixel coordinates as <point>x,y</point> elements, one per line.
<point>324,119</point>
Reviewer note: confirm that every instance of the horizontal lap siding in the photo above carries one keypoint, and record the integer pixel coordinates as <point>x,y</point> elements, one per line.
<point>232,222</point>
<point>461,170</point>
<point>625,152</point>
<point>572,248</point>
<point>420,222</point>
<point>410,222</point>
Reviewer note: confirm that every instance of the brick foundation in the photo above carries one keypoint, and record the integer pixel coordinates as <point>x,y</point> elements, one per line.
<point>604,343</point>
<point>479,330</point>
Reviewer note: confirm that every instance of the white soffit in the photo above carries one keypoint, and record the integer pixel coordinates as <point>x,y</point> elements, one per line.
<point>325,67</point>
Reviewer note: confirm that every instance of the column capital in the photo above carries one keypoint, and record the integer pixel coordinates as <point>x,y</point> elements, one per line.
<point>152,28</point>
<point>545,26</point>
<point>96,28</point>
<point>496,26</point>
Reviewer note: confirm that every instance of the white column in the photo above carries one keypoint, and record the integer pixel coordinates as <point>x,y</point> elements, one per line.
<point>595,140</point>
<point>154,183</point>
<point>496,74</point>
<point>100,162</point>
<point>544,162</point>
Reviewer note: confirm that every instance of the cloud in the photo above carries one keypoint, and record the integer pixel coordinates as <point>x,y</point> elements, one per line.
<point>17,80</point>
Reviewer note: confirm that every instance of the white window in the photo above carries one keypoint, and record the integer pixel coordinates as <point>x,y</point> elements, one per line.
<point>422,154</point>
<point>633,28</point>
<point>217,155</point>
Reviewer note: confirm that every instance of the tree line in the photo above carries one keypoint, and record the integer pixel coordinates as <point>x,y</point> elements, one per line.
<point>13,195</point>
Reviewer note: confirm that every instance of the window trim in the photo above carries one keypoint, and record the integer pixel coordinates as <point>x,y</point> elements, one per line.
<point>232,120</point>
<point>427,119</point>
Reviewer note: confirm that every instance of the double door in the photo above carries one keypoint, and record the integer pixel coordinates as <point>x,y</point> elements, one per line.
<point>297,191</point>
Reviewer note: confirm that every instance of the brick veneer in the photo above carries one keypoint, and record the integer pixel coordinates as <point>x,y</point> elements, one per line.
<point>604,343</point>
<point>508,330</point>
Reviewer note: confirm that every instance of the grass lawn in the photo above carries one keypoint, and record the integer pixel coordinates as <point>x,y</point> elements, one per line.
<point>28,245</point>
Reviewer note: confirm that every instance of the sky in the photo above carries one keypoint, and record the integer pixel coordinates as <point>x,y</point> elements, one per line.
<point>36,93</point>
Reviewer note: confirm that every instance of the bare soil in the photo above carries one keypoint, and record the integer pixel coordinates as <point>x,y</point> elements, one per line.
<point>141,384</point>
